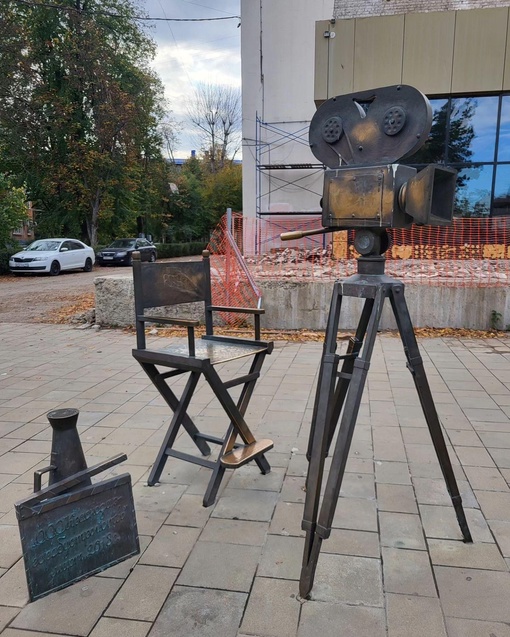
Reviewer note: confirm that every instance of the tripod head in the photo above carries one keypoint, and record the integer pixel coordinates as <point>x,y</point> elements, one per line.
<point>360,137</point>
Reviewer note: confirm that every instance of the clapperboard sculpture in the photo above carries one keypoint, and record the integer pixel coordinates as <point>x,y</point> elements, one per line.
<point>74,528</point>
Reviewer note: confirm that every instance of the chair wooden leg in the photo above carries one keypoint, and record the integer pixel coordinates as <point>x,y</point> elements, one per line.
<point>173,402</point>
<point>173,429</point>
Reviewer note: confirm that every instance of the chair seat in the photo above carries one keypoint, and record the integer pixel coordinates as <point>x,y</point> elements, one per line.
<point>216,351</point>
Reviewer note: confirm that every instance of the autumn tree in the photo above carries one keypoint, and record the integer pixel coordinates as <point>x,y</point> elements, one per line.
<point>79,110</point>
<point>215,112</point>
<point>13,209</point>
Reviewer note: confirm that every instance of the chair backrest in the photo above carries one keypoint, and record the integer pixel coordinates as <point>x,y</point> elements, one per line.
<point>163,284</point>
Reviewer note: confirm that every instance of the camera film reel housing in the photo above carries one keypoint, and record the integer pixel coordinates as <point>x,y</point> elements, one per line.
<point>360,137</point>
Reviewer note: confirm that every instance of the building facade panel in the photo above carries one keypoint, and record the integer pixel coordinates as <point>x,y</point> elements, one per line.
<point>428,51</point>
<point>478,60</point>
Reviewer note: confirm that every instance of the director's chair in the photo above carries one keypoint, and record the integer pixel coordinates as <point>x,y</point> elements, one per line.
<point>160,285</point>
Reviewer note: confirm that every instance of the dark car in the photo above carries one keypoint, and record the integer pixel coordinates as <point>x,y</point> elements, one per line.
<point>120,252</point>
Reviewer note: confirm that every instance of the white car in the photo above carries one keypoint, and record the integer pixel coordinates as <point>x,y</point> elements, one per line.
<point>53,255</point>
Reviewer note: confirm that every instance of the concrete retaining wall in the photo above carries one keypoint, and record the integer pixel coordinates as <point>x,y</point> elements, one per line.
<point>296,305</point>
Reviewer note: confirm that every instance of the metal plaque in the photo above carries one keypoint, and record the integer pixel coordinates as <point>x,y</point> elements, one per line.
<point>77,534</point>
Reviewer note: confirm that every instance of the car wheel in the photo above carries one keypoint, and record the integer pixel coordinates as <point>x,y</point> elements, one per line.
<point>88,265</point>
<point>55,268</point>
<point>152,257</point>
<point>129,260</point>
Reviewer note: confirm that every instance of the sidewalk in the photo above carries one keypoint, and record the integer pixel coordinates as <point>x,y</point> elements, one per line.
<point>394,565</point>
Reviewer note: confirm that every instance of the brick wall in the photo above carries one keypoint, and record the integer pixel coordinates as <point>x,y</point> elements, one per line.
<point>365,8</point>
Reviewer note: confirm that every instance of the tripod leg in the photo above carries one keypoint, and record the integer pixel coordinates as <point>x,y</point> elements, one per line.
<point>318,439</point>
<point>417,369</point>
<point>343,443</point>
<point>355,344</point>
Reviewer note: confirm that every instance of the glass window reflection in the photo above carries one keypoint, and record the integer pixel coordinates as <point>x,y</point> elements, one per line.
<point>501,203</point>
<point>472,134</point>
<point>433,151</point>
<point>473,196</point>
<point>504,130</point>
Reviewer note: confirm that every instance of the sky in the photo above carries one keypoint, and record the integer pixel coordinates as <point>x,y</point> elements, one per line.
<point>190,53</point>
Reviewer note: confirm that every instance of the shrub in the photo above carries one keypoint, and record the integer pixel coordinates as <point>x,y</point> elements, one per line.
<point>170,250</point>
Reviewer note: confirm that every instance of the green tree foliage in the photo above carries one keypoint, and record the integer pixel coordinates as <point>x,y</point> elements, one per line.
<point>198,198</point>
<point>79,110</point>
<point>13,209</point>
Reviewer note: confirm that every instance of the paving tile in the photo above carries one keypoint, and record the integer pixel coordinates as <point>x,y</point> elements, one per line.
<point>356,514</point>
<point>14,632</point>
<point>10,545</point>
<point>160,499</point>
<point>392,472</point>
<point>348,579</point>
<point>501,531</point>
<point>495,505</point>
<point>468,555</point>
<point>432,491</point>
<point>287,519</point>
<point>109,627</point>
<point>170,546</point>
<point>474,594</point>
<point>220,565</point>
<point>416,616</point>
<point>347,542</point>
<point>200,612</point>
<point>52,613</point>
<point>398,498</point>
<point>407,572</point>
<point>234,532</point>
<point>281,557</point>
<point>486,479</point>
<point>319,618</point>
<point>246,504</point>
<point>401,530</point>
<point>143,593</point>
<point>13,586</point>
<point>473,628</point>
<point>272,609</point>
<point>7,614</point>
<point>249,477</point>
<point>441,522</point>
<point>189,511</point>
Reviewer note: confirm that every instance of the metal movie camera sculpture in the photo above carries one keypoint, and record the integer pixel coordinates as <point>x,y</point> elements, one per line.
<point>360,137</point>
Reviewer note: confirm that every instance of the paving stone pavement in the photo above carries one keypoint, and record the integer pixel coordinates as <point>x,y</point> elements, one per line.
<point>394,565</point>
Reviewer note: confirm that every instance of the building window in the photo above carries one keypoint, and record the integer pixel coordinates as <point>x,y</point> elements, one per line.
<point>472,135</point>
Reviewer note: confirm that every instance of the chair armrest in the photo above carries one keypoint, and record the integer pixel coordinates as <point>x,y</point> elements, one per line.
<point>187,323</point>
<point>171,321</point>
<point>239,310</point>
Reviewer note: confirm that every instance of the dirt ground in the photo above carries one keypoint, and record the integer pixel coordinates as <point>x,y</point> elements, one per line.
<point>40,298</point>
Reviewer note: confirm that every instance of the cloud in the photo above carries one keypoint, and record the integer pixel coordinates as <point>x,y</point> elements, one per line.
<point>190,53</point>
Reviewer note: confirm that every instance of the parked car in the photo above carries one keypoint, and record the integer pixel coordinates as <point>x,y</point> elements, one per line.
<point>120,252</point>
<point>51,256</point>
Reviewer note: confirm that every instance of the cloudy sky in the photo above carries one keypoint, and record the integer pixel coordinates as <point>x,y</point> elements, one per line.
<point>194,52</point>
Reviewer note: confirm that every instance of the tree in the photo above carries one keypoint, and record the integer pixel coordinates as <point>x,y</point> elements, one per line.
<point>215,111</point>
<point>223,190</point>
<point>79,110</point>
<point>13,209</point>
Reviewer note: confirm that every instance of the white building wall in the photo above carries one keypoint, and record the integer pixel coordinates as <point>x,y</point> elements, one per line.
<point>277,52</point>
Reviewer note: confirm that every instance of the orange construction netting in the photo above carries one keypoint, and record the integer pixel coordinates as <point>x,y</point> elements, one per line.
<point>470,252</point>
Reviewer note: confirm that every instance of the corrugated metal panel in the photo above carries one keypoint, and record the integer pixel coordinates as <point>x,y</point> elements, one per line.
<point>479,50</point>
<point>378,49</point>
<point>428,51</point>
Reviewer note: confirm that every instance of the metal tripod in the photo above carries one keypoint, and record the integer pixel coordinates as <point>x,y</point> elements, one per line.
<point>339,393</point>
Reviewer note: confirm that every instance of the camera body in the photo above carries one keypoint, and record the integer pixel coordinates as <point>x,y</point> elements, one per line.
<point>360,137</point>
